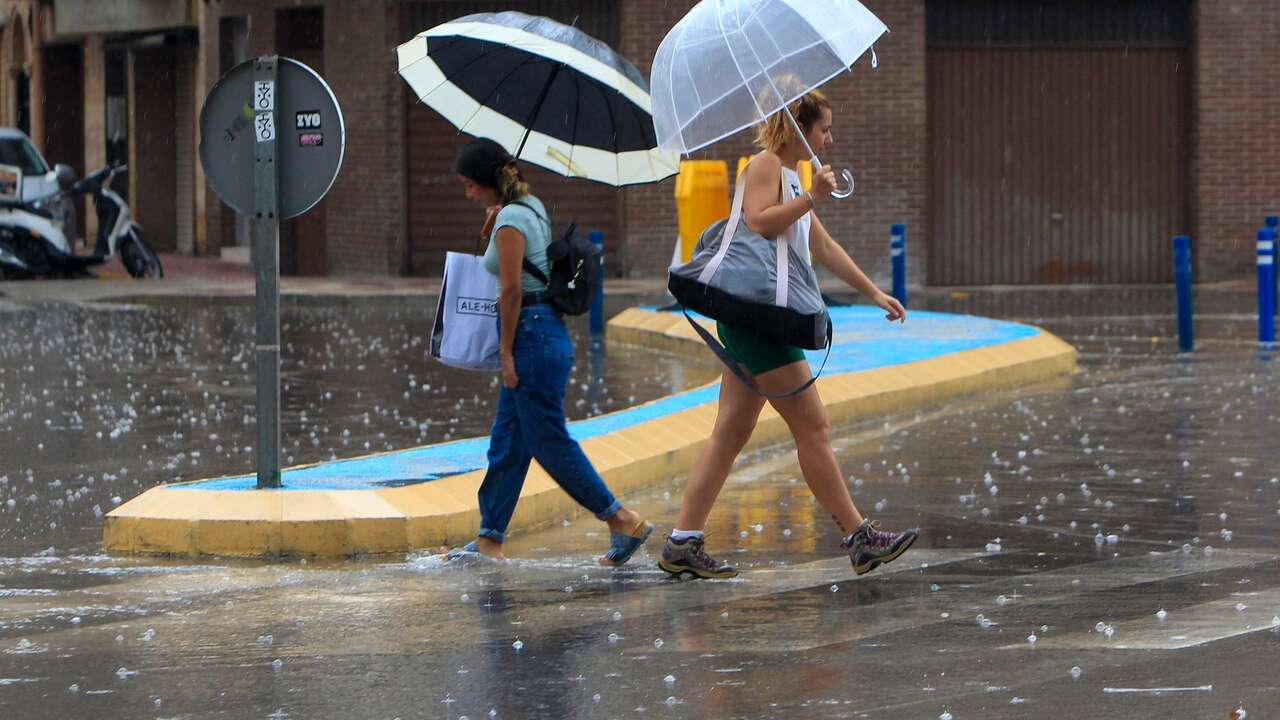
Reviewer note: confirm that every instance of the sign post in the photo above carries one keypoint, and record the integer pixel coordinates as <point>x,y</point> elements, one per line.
<point>266,261</point>
<point>263,145</point>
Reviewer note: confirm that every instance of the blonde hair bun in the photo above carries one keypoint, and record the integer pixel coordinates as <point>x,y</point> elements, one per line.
<point>776,131</point>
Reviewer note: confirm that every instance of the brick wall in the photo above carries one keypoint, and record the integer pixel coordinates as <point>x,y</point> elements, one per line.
<point>364,211</point>
<point>1236,126</point>
<point>648,225</point>
<point>366,206</point>
<point>879,132</point>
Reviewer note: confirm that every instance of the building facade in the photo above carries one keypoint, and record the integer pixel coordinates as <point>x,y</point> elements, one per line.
<point>1020,143</point>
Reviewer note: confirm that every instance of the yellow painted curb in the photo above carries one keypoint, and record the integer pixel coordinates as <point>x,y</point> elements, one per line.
<point>266,523</point>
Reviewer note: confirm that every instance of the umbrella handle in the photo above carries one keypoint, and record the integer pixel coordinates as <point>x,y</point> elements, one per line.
<point>842,192</point>
<point>847,190</point>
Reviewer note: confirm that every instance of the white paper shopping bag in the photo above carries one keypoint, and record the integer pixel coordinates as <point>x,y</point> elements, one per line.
<point>465,332</point>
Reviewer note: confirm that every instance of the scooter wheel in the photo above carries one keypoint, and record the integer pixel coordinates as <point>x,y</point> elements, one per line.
<point>140,261</point>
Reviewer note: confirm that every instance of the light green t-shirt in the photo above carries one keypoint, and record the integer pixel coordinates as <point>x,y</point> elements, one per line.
<point>537,236</point>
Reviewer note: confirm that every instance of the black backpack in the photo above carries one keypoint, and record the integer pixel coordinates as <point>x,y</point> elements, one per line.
<point>575,269</point>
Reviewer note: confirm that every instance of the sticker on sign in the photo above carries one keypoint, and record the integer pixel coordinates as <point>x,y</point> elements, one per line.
<point>307,120</point>
<point>311,139</point>
<point>265,126</point>
<point>264,95</point>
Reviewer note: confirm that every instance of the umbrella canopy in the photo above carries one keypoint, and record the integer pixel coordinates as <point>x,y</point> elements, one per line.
<point>729,64</point>
<point>549,93</point>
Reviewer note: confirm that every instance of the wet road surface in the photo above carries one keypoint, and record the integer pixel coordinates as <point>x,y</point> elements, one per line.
<point>1071,512</point>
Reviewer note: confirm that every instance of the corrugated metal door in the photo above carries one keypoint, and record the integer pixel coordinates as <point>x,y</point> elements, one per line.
<point>1056,162</point>
<point>440,217</point>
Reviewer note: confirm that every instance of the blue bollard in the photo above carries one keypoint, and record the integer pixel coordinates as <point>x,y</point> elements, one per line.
<point>597,302</point>
<point>1182,277</point>
<point>898,258</point>
<point>1266,286</point>
<point>1273,222</point>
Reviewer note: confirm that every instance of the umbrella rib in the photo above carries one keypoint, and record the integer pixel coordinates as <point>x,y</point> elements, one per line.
<point>613,123</point>
<point>577,115</point>
<point>641,118</point>
<point>671,69</point>
<point>481,104</point>
<point>537,108</point>
<point>653,172</point>
<point>736,66</point>
<point>452,40</point>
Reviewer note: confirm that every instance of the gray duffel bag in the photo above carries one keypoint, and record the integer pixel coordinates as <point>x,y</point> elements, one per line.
<point>760,284</point>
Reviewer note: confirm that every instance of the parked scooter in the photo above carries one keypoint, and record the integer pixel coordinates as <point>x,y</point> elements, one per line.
<point>32,245</point>
<point>11,266</point>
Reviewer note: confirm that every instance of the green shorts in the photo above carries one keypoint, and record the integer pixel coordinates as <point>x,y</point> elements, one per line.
<point>756,355</point>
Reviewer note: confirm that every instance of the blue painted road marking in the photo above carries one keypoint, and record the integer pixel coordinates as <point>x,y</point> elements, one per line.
<point>863,341</point>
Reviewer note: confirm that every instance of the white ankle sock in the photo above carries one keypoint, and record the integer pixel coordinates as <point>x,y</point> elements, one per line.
<point>682,535</point>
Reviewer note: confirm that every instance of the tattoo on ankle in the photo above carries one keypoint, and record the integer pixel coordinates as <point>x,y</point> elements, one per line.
<point>840,525</point>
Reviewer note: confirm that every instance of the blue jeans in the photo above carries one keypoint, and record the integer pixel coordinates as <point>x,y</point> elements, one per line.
<point>530,424</point>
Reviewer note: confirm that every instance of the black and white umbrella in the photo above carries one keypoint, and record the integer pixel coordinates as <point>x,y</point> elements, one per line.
<point>549,93</point>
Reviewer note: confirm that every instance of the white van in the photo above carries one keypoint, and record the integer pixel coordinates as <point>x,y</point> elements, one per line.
<point>38,178</point>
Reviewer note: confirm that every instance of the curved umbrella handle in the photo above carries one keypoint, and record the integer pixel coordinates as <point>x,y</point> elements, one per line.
<point>839,193</point>
<point>844,192</point>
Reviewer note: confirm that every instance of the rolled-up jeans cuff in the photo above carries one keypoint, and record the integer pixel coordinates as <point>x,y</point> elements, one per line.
<point>609,511</point>
<point>493,535</point>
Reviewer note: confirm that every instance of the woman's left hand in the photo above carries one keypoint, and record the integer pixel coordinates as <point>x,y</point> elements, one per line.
<point>509,377</point>
<point>490,217</point>
<point>892,308</point>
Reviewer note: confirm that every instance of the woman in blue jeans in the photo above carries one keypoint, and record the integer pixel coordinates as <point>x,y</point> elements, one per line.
<point>537,356</point>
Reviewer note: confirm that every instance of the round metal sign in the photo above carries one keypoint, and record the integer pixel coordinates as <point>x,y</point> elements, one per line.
<point>298,112</point>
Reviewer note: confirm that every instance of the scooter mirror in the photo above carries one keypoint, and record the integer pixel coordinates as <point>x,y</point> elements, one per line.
<point>65,174</point>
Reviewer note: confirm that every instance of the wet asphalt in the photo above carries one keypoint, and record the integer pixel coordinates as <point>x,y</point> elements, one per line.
<point>1070,512</point>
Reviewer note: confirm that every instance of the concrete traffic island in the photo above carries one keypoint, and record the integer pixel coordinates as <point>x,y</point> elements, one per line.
<point>426,497</point>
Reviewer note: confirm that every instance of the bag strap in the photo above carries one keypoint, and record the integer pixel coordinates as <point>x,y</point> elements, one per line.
<point>532,210</point>
<point>536,272</point>
<point>730,227</point>
<point>529,267</point>
<point>783,249</point>
<point>741,374</point>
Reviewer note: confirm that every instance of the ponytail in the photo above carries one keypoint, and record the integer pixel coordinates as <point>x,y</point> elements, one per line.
<point>511,183</point>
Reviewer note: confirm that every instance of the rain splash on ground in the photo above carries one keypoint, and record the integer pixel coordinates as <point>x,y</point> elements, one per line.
<point>1100,546</point>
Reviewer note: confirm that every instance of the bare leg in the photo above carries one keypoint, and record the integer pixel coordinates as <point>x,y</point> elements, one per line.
<point>736,417</point>
<point>806,417</point>
<point>624,521</point>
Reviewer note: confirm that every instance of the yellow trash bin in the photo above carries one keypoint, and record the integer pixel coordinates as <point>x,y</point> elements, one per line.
<point>702,197</point>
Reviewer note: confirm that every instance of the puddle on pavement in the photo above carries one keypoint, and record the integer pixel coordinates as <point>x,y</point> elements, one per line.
<point>1144,482</point>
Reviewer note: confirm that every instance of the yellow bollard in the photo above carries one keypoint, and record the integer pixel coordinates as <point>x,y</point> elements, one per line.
<point>805,169</point>
<point>702,197</point>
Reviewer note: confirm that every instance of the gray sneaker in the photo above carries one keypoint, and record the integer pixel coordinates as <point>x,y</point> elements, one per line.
<point>869,546</point>
<point>690,556</point>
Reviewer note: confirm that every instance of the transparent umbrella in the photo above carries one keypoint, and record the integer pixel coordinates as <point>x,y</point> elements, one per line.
<point>730,64</point>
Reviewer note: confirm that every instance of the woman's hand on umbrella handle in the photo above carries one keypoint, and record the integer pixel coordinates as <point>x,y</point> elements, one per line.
<point>847,190</point>
<point>823,183</point>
